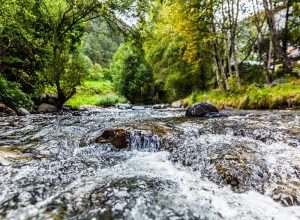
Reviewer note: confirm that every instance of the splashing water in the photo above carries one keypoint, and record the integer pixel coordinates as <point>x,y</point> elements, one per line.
<point>245,166</point>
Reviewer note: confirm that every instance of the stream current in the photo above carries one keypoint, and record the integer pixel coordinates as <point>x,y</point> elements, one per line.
<point>244,166</point>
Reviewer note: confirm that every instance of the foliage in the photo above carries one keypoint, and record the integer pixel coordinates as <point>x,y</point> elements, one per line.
<point>95,93</point>
<point>101,42</point>
<point>172,47</point>
<point>132,75</point>
<point>12,95</point>
<point>99,73</point>
<point>251,97</point>
<point>110,100</point>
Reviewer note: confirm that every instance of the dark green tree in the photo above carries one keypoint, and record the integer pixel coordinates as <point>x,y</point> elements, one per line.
<point>132,75</point>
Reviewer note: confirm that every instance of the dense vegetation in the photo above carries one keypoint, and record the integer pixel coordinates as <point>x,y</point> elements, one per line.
<point>147,51</point>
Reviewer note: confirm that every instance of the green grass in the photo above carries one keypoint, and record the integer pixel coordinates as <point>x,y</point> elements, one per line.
<point>249,97</point>
<point>97,93</point>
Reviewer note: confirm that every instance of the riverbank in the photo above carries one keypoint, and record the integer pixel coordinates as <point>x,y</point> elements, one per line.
<point>277,96</point>
<point>96,93</point>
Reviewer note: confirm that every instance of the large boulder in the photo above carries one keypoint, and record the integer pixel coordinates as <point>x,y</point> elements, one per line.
<point>6,110</point>
<point>47,108</point>
<point>178,104</point>
<point>202,109</point>
<point>23,112</point>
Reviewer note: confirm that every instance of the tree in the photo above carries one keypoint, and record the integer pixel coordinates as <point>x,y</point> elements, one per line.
<point>67,20</point>
<point>132,75</point>
<point>101,42</point>
<point>181,64</point>
<point>280,50</point>
<point>22,49</point>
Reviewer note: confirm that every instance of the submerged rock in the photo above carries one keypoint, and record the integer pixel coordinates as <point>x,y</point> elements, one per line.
<point>47,108</point>
<point>202,109</point>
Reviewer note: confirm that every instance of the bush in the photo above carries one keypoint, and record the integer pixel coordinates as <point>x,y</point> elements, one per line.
<point>250,97</point>
<point>12,95</point>
<point>110,100</point>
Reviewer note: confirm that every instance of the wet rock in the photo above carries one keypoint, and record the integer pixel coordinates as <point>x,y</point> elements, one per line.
<point>117,137</point>
<point>6,110</point>
<point>178,104</point>
<point>47,108</point>
<point>287,193</point>
<point>138,108</point>
<point>214,115</point>
<point>123,106</point>
<point>142,137</point>
<point>160,106</point>
<point>11,155</point>
<point>23,112</point>
<point>201,110</point>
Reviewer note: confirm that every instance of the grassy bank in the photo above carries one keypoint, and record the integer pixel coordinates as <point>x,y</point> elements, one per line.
<point>285,95</point>
<point>98,93</point>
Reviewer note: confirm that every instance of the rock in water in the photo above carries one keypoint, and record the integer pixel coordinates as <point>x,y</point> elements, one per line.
<point>160,106</point>
<point>6,110</point>
<point>23,112</point>
<point>117,137</point>
<point>138,108</point>
<point>123,106</point>
<point>47,108</point>
<point>201,110</point>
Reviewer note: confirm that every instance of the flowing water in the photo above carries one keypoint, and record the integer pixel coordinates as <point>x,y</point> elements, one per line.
<point>244,166</point>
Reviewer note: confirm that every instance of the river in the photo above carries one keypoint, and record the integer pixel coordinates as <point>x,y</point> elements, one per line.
<point>244,166</point>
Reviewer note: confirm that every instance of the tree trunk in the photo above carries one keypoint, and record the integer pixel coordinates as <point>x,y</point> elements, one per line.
<point>269,58</point>
<point>278,49</point>
<point>286,28</point>
<point>236,66</point>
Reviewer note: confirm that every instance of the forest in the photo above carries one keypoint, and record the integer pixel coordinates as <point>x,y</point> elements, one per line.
<point>234,53</point>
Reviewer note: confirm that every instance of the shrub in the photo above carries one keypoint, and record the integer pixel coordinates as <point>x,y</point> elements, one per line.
<point>12,95</point>
<point>110,100</point>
